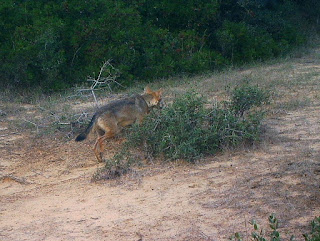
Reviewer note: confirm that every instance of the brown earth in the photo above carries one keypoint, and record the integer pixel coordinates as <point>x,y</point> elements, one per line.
<point>47,192</point>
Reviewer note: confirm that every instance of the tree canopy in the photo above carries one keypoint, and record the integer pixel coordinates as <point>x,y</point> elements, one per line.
<point>57,44</point>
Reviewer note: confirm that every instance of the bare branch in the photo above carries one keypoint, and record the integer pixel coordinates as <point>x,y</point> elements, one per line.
<point>111,73</point>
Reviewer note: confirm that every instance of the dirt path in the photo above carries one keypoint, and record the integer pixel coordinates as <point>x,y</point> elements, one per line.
<point>46,191</point>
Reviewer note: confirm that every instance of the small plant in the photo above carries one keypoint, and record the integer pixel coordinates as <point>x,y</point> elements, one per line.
<point>115,167</point>
<point>315,231</point>
<point>260,235</point>
<point>247,96</point>
<point>232,130</point>
<point>236,237</point>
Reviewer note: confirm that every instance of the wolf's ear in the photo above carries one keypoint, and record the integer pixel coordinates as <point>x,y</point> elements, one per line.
<point>147,90</point>
<point>160,91</point>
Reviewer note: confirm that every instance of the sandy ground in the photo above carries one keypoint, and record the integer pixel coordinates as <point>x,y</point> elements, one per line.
<point>46,192</point>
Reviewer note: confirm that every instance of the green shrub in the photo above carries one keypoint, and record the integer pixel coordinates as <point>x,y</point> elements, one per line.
<point>232,130</point>
<point>246,96</point>
<point>176,132</point>
<point>187,130</point>
<point>241,42</point>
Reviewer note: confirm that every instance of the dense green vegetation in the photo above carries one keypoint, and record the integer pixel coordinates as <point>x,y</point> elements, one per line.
<point>187,130</point>
<point>57,44</point>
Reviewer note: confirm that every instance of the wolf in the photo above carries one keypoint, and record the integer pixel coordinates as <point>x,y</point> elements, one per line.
<point>109,120</point>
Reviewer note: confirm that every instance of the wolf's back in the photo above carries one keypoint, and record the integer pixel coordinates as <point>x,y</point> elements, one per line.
<point>84,134</point>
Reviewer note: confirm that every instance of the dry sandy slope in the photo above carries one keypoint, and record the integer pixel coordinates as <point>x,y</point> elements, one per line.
<point>46,191</point>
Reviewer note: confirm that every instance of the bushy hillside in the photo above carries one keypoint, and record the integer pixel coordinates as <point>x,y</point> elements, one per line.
<point>57,44</point>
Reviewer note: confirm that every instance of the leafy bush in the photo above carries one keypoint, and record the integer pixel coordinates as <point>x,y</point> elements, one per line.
<point>187,130</point>
<point>176,132</point>
<point>232,130</point>
<point>241,42</point>
<point>246,96</point>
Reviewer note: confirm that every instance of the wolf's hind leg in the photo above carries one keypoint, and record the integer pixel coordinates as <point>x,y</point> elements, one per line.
<point>97,152</point>
<point>99,146</point>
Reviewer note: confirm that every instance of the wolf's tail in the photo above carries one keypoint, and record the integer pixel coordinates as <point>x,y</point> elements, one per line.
<point>84,134</point>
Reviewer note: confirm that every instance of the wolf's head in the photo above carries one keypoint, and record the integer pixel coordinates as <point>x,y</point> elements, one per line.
<point>153,98</point>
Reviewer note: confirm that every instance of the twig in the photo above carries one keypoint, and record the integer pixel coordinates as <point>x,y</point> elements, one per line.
<point>111,72</point>
<point>64,123</point>
<point>75,54</point>
<point>32,124</point>
<point>94,96</point>
<point>81,116</point>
